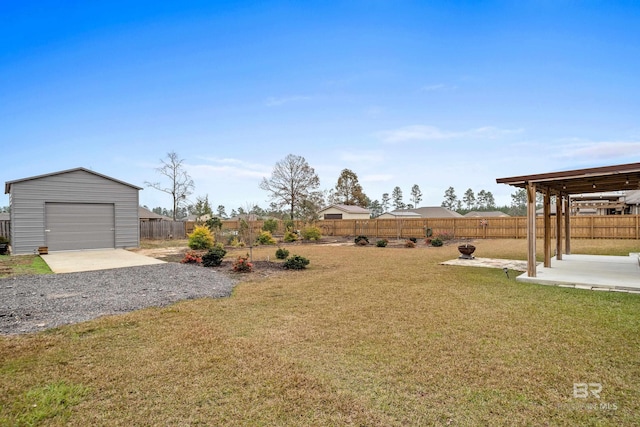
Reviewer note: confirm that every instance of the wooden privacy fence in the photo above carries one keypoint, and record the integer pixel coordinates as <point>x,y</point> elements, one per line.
<point>582,227</point>
<point>5,228</point>
<point>163,230</point>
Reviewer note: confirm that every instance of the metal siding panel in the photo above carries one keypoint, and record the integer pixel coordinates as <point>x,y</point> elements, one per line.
<point>29,197</point>
<point>73,226</point>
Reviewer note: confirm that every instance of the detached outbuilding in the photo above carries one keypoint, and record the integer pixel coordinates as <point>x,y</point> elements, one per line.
<point>72,210</point>
<point>344,212</point>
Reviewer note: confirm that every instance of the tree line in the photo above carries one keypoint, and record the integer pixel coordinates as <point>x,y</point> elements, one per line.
<point>293,189</point>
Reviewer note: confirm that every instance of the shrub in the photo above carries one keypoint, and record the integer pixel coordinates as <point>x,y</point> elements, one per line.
<point>290,236</point>
<point>282,253</point>
<point>201,238</point>
<point>270,225</point>
<point>445,235</point>
<point>361,240</point>
<point>436,242</point>
<point>413,239</point>
<point>382,243</point>
<point>409,244</point>
<point>296,262</point>
<point>191,258</point>
<point>214,257</point>
<point>242,264</point>
<point>311,233</point>
<point>265,238</point>
<point>289,225</point>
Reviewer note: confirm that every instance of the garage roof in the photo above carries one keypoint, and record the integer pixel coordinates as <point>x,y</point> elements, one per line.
<point>7,185</point>
<point>592,180</point>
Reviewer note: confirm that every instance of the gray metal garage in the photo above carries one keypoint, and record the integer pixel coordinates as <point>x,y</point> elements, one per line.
<point>71,210</point>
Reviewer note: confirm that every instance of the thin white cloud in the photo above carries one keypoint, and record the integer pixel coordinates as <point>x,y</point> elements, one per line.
<point>432,133</point>
<point>601,150</point>
<point>437,87</point>
<point>279,101</point>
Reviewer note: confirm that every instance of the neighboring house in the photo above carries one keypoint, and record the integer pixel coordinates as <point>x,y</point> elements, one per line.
<point>609,203</point>
<point>145,214</point>
<point>426,212</point>
<point>71,210</point>
<point>399,215</point>
<point>4,216</point>
<point>344,212</point>
<point>492,214</point>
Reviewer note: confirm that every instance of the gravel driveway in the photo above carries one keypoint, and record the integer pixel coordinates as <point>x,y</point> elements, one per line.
<point>35,303</point>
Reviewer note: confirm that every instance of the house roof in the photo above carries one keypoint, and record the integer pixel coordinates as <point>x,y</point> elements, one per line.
<point>476,214</point>
<point>7,185</point>
<point>592,180</point>
<point>144,213</point>
<point>435,212</point>
<point>406,214</point>
<point>348,208</point>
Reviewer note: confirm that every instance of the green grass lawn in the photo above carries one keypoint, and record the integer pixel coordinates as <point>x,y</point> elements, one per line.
<point>364,336</point>
<point>22,265</point>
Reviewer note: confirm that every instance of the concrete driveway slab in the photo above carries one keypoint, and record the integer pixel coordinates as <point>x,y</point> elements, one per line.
<point>91,260</point>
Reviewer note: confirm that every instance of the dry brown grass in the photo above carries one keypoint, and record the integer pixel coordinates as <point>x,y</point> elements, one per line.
<point>365,336</point>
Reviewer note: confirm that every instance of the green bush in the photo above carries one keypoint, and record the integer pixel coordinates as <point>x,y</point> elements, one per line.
<point>311,233</point>
<point>270,225</point>
<point>214,257</point>
<point>214,223</point>
<point>290,236</point>
<point>265,238</point>
<point>282,253</point>
<point>436,242</point>
<point>296,262</point>
<point>361,240</point>
<point>382,243</point>
<point>289,225</point>
<point>201,238</point>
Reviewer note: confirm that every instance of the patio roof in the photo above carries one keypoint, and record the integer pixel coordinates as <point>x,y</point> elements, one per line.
<point>592,180</point>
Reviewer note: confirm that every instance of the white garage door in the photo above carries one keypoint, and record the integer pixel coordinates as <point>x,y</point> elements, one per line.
<point>70,226</point>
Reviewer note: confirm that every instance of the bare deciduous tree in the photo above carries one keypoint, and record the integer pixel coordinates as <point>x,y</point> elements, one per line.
<point>180,183</point>
<point>291,182</point>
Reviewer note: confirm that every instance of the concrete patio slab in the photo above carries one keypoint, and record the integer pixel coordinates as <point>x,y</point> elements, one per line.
<point>511,264</point>
<point>99,259</point>
<point>593,272</point>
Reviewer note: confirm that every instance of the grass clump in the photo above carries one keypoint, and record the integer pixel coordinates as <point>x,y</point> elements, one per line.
<point>53,401</point>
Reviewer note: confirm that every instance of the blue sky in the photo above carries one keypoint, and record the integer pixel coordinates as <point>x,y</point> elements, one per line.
<point>438,94</point>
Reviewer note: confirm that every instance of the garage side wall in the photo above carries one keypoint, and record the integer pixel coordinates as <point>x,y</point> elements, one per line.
<point>28,199</point>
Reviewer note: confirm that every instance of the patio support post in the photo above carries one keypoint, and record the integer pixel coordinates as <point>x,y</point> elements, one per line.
<point>531,229</point>
<point>559,205</point>
<point>567,226</point>
<point>547,228</point>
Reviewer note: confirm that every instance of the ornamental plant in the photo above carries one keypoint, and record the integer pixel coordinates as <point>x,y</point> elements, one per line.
<point>311,233</point>
<point>201,238</point>
<point>191,258</point>
<point>361,240</point>
<point>270,225</point>
<point>296,262</point>
<point>282,253</point>
<point>265,238</point>
<point>437,242</point>
<point>242,264</point>
<point>214,257</point>
<point>290,236</point>
<point>382,243</point>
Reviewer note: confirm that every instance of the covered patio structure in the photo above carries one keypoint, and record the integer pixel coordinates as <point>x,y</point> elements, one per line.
<point>562,185</point>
